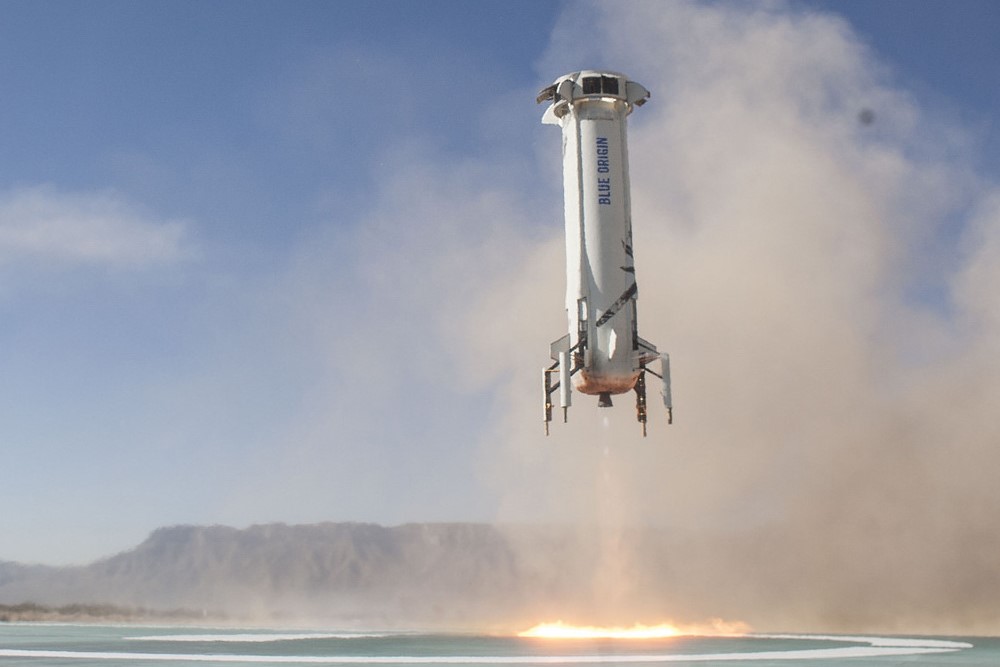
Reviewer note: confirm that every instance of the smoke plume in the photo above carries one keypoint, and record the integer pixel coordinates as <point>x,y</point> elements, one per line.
<point>817,255</point>
<point>827,290</point>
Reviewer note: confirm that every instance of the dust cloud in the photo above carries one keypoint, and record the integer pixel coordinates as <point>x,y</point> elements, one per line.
<point>827,292</point>
<point>826,289</point>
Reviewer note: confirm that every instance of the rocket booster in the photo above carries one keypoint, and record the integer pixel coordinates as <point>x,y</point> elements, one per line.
<point>602,353</point>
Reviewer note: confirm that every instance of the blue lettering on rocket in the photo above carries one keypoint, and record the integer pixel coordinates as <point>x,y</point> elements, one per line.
<point>604,191</point>
<point>603,167</point>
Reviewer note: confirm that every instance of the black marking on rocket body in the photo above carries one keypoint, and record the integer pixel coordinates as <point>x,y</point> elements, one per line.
<point>626,296</point>
<point>627,247</point>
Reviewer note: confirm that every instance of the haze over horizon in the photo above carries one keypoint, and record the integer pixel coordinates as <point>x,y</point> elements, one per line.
<point>265,262</point>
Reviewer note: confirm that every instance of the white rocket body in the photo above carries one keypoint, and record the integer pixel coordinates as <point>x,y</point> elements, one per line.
<point>602,353</point>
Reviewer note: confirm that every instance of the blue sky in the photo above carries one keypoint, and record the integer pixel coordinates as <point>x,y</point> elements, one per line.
<point>272,261</point>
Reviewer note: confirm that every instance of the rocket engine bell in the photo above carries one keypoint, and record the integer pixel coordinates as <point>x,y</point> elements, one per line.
<point>602,353</point>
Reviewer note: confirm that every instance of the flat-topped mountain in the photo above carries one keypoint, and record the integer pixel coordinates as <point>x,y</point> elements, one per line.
<point>465,575</point>
<point>422,572</point>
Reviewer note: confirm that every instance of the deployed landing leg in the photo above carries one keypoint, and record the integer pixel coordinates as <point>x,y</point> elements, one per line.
<point>547,396</point>
<point>640,400</point>
<point>664,375</point>
<point>563,368</point>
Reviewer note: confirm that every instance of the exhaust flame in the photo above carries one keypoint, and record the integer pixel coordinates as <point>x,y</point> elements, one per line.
<point>559,630</point>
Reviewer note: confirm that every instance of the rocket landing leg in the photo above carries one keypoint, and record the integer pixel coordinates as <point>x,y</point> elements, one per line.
<point>640,400</point>
<point>547,397</point>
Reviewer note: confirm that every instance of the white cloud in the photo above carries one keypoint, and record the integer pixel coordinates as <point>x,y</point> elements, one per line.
<point>47,228</point>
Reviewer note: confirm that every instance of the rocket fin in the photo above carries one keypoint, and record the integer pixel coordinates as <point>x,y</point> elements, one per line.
<point>636,93</point>
<point>647,351</point>
<point>557,346</point>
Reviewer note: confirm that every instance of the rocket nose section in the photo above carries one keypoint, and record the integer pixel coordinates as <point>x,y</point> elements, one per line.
<point>560,94</point>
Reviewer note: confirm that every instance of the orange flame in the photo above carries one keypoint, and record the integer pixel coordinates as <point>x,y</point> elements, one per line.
<point>560,630</point>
